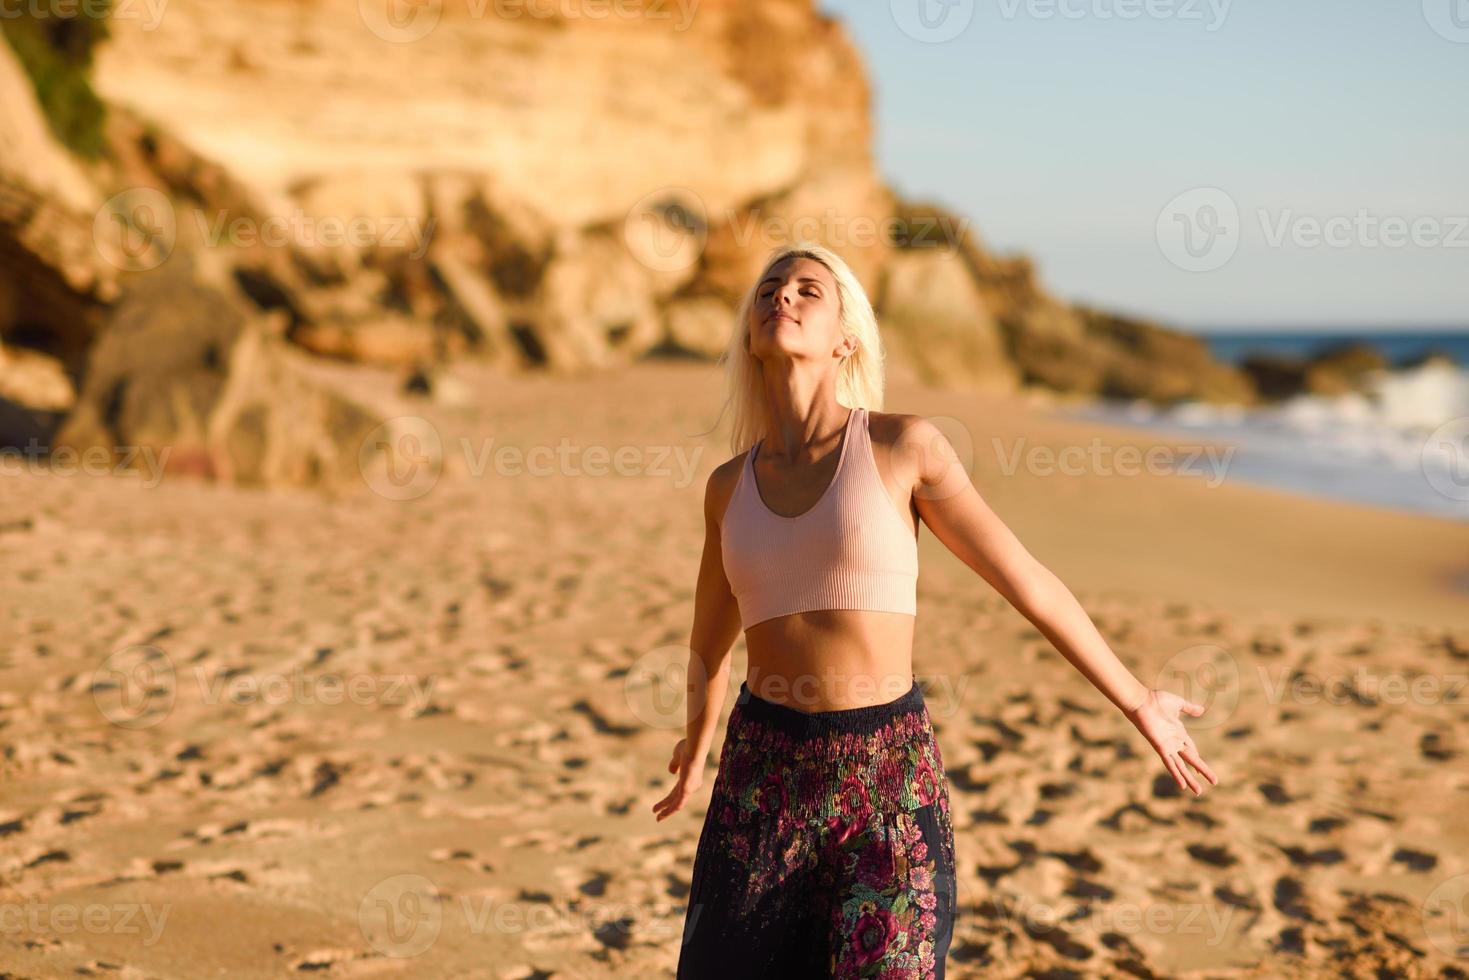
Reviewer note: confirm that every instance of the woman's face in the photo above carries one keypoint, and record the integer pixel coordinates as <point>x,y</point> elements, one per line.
<point>796,312</point>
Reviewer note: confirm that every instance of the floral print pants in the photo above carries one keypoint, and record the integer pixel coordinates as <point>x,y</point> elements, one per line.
<point>827,849</point>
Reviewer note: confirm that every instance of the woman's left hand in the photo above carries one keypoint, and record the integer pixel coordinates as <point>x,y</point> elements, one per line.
<point>1158,719</point>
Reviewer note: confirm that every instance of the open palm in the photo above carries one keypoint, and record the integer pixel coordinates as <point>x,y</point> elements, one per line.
<point>1158,719</point>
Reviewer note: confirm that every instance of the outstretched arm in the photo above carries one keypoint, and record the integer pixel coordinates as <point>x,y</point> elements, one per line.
<point>953,509</point>
<point>716,627</point>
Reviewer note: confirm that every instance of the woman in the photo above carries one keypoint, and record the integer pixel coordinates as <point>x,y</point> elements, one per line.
<point>828,849</point>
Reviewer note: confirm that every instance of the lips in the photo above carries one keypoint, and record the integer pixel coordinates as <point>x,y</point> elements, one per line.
<point>781,316</point>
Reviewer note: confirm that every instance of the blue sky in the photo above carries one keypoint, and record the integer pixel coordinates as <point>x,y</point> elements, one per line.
<point>1066,136</point>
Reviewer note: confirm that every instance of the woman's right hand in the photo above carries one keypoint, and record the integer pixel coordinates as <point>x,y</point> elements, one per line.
<point>690,778</point>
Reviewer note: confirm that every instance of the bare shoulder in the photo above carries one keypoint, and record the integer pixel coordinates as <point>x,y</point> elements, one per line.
<point>721,486</point>
<point>891,434</point>
<point>915,449</point>
<point>892,428</point>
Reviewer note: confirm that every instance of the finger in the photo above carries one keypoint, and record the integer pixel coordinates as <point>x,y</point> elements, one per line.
<point>1192,757</point>
<point>1193,708</point>
<point>1172,768</point>
<point>1188,777</point>
<point>673,804</point>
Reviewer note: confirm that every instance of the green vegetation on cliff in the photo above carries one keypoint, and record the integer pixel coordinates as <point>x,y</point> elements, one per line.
<point>56,52</point>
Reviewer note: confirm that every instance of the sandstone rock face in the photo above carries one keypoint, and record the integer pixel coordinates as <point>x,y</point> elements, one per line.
<point>27,147</point>
<point>935,317</point>
<point>1142,360</point>
<point>528,149</point>
<point>554,192</point>
<point>54,284</point>
<point>579,116</point>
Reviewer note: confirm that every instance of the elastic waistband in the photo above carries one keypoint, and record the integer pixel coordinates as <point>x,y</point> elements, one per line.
<point>805,724</point>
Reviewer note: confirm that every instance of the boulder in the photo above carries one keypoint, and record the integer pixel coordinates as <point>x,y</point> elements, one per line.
<point>594,306</point>
<point>934,318</point>
<point>700,325</point>
<point>387,340</point>
<point>1432,356</point>
<point>187,370</point>
<point>1340,370</point>
<point>1145,360</point>
<point>35,395</point>
<point>356,217</point>
<point>1275,376</point>
<point>54,286</point>
<point>1343,369</point>
<point>1047,354</point>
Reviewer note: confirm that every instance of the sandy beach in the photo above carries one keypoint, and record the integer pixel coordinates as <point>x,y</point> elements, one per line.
<point>258,733</point>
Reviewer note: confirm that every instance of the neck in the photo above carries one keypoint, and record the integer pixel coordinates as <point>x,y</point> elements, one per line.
<point>804,420</point>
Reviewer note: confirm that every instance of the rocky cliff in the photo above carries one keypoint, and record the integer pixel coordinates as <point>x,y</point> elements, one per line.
<point>405,184</point>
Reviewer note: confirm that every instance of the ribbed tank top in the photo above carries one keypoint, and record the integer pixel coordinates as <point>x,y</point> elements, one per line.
<point>851,550</point>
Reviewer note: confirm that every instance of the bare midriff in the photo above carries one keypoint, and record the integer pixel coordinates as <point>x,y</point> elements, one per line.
<point>831,659</point>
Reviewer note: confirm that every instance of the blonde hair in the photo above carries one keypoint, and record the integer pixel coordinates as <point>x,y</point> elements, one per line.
<point>859,376</point>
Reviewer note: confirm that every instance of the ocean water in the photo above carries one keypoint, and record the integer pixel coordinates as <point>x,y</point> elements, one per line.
<point>1397,346</point>
<point>1404,445</point>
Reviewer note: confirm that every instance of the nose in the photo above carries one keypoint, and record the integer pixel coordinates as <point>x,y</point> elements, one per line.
<point>782,297</point>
